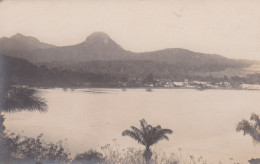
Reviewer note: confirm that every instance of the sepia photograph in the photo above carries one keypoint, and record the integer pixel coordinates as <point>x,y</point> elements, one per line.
<point>129,82</point>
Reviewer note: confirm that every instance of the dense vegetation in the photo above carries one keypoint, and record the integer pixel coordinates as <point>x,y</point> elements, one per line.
<point>28,150</point>
<point>21,72</point>
<point>20,149</point>
<point>106,74</point>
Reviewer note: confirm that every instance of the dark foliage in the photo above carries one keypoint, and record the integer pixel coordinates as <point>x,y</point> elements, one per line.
<point>18,99</point>
<point>250,128</point>
<point>89,157</point>
<point>14,99</point>
<point>254,161</point>
<point>116,73</point>
<point>30,149</point>
<point>21,72</point>
<point>147,135</point>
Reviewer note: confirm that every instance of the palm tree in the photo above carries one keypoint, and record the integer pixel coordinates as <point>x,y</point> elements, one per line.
<point>251,127</point>
<point>19,99</point>
<point>16,99</point>
<point>147,135</point>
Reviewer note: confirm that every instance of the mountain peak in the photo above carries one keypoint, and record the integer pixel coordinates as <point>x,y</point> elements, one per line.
<point>21,37</point>
<point>29,42</point>
<point>18,35</point>
<point>98,37</point>
<point>99,34</point>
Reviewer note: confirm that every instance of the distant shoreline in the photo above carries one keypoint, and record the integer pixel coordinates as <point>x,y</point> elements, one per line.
<point>144,88</point>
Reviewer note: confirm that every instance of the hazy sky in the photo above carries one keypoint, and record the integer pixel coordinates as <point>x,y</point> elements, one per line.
<point>227,27</point>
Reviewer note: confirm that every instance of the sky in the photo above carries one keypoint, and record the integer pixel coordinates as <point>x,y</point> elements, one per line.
<point>229,28</point>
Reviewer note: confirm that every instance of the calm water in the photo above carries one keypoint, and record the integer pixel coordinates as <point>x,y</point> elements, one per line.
<point>203,121</point>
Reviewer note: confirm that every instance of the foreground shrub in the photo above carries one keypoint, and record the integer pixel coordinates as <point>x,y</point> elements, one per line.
<point>89,157</point>
<point>254,161</point>
<point>28,150</point>
<point>113,154</point>
<point>251,127</point>
<point>31,150</point>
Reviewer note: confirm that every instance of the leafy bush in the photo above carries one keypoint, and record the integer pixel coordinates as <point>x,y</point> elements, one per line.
<point>251,127</point>
<point>31,150</point>
<point>89,157</point>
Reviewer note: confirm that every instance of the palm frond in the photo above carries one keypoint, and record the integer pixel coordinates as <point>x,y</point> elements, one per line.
<point>255,117</point>
<point>244,126</point>
<point>149,128</point>
<point>19,99</point>
<point>136,130</point>
<point>159,138</point>
<point>134,136</point>
<point>165,137</point>
<point>165,131</point>
<point>250,129</point>
<point>147,135</point>
<point>143,125</point>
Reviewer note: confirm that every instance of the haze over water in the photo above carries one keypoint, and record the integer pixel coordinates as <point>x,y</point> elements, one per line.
<point>203,122</point>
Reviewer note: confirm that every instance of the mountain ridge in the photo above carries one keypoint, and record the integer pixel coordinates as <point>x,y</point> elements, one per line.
<point>22,43</point>
<point>100,47</point>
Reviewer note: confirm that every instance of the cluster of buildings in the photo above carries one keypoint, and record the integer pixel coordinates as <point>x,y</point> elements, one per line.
<point>189,84</point>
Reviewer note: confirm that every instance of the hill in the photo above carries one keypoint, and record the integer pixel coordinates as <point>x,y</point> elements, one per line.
<point>16,71</point>
<point>21,42</point>
<point>100,54</point>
